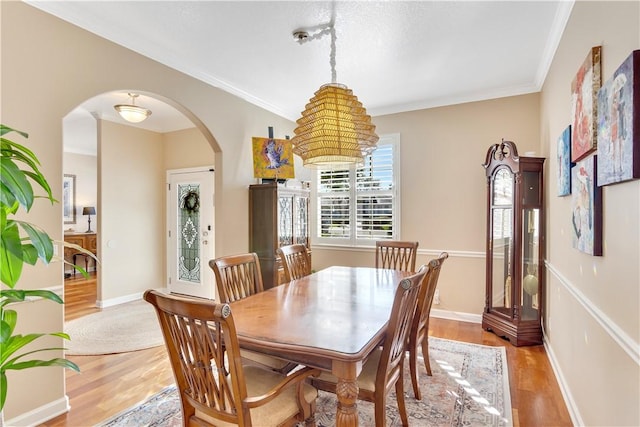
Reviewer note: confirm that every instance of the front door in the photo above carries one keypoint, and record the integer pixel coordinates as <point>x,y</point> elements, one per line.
<point>190,238</point>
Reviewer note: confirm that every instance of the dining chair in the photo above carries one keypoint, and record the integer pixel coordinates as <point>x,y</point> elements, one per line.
<point>237,277</point>
<point>214,387</point>
<point>384,366</point>
<point>396,254</point>
<point>295,261</point>
<point>419,332</point>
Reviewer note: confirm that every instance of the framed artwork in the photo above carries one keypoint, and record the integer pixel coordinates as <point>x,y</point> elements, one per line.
<point>584,93</point>
<point>69,199</point>
<point>564,162</point>
<point>586,212</point>
<point>619,124</point>
<point>272,158</point>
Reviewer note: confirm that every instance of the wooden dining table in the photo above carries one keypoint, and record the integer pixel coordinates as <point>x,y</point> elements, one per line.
<point>331,320</point>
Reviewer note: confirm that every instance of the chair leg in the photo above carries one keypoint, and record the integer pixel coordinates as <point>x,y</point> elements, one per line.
<point>401,406</point>
<point>425,354</point>
<point>413,368</point>
<point>379,409</point>
<point>311,421</point>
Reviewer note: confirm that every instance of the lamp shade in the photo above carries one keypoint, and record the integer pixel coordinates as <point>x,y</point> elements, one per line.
<point>89,210</point>
<point>334,129</point>
<point>131,112</point>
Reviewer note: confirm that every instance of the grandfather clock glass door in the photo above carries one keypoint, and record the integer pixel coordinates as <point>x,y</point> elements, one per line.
<point>502,242</point>
<point>190,234</point>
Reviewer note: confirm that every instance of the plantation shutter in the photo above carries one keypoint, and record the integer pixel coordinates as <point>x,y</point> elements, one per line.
<point>357,206</point>
<point>334,189</point>
<point>374,196</point>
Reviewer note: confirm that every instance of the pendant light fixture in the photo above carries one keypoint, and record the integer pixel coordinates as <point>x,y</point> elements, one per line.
<point>131,112</point>
<point>334,130</point>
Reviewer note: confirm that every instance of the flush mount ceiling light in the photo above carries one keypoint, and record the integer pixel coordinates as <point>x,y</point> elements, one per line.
<point>334,129</point>
<point>131,112</point>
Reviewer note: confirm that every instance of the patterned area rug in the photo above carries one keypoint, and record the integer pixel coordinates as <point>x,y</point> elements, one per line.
<point>469,387</point>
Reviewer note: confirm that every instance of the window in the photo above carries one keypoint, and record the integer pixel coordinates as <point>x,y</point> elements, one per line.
<point>357,206</point>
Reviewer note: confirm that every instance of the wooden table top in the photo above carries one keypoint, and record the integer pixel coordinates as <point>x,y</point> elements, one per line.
<point>336,314</point>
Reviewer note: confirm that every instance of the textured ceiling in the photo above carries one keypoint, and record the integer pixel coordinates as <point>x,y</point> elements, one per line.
<point>395,55</point>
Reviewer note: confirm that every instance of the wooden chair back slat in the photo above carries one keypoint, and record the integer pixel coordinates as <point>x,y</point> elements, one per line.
<point>396,255</point>
<point>295,261</point>
<point>237,276</point>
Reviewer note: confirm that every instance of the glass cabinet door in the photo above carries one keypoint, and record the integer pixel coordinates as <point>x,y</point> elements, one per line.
<point>302,220</point>
<point>285,219</point>
<point>530,263</point>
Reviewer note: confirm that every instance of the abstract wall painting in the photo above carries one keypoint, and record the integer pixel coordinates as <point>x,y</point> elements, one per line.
<point>564,162</point>
<point>272,158</point>
<point>584,93</point>
<point>586,197</point>
<point>619,124</point>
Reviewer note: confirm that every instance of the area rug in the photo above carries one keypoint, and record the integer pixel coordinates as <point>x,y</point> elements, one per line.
<point>118,329</point>
<point>469,387</point>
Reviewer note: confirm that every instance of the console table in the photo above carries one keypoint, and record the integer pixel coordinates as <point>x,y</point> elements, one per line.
<point>88,241</point>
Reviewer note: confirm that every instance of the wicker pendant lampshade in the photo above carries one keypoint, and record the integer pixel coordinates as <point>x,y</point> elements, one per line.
<point>334,130</point>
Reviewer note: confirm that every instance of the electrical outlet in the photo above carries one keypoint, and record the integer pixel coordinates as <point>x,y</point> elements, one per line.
<point>436,297</point>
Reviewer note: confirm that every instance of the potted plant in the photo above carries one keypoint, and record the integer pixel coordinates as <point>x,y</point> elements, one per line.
<point>20,243</point>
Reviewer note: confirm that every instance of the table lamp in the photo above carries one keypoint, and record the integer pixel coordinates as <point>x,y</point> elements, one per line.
<point>89,210</point>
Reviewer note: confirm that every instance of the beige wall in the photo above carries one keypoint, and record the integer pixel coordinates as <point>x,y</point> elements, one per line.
<point>131,192</point>
<point>444,189</point>
<point>187,148</point>
<point>592,322</point>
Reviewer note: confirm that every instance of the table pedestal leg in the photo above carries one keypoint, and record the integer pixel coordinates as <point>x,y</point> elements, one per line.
<point>347,393</point>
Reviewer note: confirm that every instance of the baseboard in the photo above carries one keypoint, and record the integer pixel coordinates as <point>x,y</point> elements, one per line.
<point>576,419</point>
<point>42,414</point>
<point>456,315</point>
<point>119,300</point>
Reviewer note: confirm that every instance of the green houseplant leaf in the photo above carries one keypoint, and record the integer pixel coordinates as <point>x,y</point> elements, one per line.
<point>19,172</point>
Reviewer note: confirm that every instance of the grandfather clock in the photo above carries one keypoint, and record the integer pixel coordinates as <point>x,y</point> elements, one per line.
<point>514,299</point>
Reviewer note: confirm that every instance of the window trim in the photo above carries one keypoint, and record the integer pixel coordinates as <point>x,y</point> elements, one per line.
<point>387,139</point>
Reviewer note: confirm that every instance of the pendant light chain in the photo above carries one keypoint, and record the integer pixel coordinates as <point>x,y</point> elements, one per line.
<point>332,58</point>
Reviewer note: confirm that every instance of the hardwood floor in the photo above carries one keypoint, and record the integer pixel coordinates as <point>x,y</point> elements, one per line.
<point>110,384</point>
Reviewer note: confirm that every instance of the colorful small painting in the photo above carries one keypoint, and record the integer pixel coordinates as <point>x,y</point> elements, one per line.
<point>584,93</point>
<point>564,162</point>
<point>272,158</point>
<point>618,131</point>
<point>586,196</point>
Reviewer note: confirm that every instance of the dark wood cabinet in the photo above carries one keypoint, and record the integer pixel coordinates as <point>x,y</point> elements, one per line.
<point>278,216</point>
<point>515,245</point>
